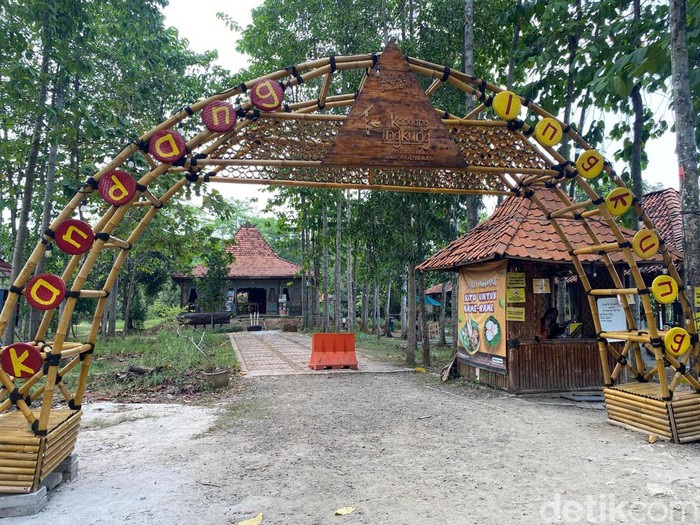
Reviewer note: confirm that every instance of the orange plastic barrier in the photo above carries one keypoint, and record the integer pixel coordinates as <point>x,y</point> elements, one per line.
<point>333,351</point>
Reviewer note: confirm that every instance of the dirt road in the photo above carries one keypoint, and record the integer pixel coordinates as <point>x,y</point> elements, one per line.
<point>401,448</point>
<point>398,447</point>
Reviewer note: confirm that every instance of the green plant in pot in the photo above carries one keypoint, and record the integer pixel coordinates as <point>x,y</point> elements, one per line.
<point>217,376</point>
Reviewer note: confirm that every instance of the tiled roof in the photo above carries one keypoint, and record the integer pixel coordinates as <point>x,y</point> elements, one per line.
<point>5,269</point>
<point>664,209</point>
<point>437,289</point>
<point>254,258</point>
<point>519,230</point>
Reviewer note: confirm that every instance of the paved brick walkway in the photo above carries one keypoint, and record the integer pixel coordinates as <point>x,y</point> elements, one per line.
<point>275,353</point>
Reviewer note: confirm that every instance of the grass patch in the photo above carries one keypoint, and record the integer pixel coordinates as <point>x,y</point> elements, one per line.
<point>393,350</point>
<point>172,362</point>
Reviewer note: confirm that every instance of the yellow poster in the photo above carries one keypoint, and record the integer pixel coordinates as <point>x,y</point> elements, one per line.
<point>515,295</point>
<point>482,311</point>
<point>515,313</point>
<point>697,297</point>
<point>516,280</point>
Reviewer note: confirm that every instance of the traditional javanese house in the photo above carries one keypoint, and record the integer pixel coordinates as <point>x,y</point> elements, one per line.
<point>258,280</point>
<point>525,323</point>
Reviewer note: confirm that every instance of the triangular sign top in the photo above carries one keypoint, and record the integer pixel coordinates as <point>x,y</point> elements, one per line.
<point>393,124</point>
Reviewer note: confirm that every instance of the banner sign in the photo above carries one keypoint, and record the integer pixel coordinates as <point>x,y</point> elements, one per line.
<point>482,316</point>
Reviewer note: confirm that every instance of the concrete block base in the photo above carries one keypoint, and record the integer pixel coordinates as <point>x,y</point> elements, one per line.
<point>28,504</point>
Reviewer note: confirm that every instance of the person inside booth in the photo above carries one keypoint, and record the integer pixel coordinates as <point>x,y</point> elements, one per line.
<point>550,329</point>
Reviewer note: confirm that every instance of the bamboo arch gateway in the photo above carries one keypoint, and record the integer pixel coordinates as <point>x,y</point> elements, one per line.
<point>263,140</point>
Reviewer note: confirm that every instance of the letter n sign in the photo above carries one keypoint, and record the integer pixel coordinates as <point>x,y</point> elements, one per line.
<point>219,116</point>
<point>21,360</point>
<point>74,237</point>
<point>45,291</point>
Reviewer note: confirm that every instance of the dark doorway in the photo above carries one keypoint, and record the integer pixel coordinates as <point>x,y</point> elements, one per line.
<point>257,296</point>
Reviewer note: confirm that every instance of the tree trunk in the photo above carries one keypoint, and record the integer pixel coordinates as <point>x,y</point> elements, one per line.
<point>350,285</point>
<point>30,173</point>
<point>337,303</point>
<point>376,322</point>
<point>34,315</point>
<point>443,317</point>
<point>326,305</point>
<point>364,322</point>
<point>570,81</point>
<point>404,308</point>
<point>129,297</point>
<point>411,339</point>
<point>387,313</point>
<point>686,148</point>
<point>516,40</point>
<point>425,332</point>
<point>468,56</point>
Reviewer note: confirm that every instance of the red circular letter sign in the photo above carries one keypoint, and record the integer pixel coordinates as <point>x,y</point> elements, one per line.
<point>267,95</point>
<point>45,291</point>
<point>74,237</point>
<point>117,187</point>
<point>167,146</point>
<point>21,360</point>
<point>219,116</point>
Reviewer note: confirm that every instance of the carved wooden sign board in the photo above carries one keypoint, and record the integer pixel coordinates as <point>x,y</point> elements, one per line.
<point>393,124</point>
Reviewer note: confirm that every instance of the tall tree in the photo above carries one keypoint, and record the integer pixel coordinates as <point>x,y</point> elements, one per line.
<point>686,147</point>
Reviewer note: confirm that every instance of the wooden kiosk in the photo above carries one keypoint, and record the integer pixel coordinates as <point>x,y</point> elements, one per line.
<point>384,134</point>
<point>513,270</point>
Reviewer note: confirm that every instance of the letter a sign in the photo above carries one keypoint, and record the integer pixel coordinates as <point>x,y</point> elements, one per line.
<point>45,291</point>
<point>167,146</point>
<point>21,360</point>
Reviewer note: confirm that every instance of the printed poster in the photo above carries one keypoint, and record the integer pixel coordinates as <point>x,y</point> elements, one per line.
<point>482,316</point>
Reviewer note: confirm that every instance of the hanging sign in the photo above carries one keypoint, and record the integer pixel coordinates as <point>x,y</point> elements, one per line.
<point>117,187</point>
<point>167,146</point>
<point>677,341</point>
<point>619,201</point>
<point>21,360</point>
<point>548,132</point>
<point>645,244</point>
<point>611,315</point>
<point>589,164</point>
<point>540,286</point>
<point>515,280</point>
<point>45,291</point>
<point>664,288</point>
<point>267,95</point>
<point>506,105</point>
<point>515,295</point>
<point>74,237</point>
<point>219,116</point>
<point>482,315</point>
<point>515,313</point>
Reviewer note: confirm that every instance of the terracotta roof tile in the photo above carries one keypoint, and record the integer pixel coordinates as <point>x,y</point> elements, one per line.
<point>254,258</point>
<point>518,229</point>
<point>664,209</point>
<point>5,268</point>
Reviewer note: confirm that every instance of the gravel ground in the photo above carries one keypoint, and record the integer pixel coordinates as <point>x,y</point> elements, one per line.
<point>400,448</point>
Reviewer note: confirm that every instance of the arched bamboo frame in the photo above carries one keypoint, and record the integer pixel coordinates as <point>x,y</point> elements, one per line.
<point>213,147</point>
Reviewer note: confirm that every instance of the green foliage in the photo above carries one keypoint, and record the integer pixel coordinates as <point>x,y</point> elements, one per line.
<point>210,288</point>
<point>171,353</point>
